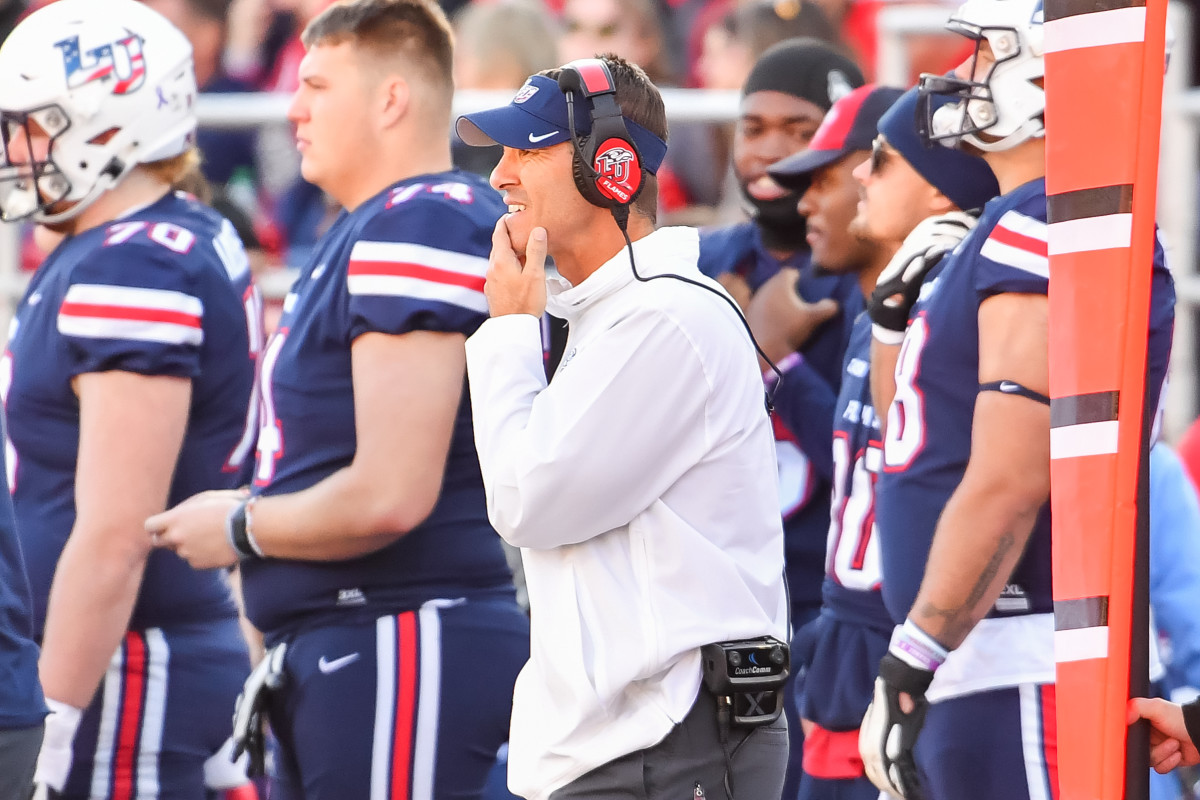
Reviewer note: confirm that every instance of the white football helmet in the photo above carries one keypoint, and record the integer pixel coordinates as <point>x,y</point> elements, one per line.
<point>1005,102</point>
<point>110,82</point>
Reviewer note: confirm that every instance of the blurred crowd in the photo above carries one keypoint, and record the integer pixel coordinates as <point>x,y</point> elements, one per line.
<point>254,46</point>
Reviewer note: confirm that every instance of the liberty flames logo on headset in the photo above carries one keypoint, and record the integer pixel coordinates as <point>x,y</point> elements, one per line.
<point>618,174</point>
<point>120,61</point>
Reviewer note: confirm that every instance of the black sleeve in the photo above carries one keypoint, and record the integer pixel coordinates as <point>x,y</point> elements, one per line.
<point>1191,720</point>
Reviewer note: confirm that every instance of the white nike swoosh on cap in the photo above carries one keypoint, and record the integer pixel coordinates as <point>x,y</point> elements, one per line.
<point>536,139</point>
<point>333,666</point>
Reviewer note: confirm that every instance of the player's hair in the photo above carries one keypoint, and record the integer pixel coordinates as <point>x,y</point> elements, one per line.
<point>641,102</point>
<point>415,32</point>
<point>172,171</point>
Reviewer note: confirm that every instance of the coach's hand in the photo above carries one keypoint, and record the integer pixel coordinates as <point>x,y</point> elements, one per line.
<point>514,287</point>
<point>196,529</point>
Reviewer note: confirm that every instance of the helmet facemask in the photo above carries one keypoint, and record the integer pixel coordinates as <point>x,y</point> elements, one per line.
<point>31,183</point>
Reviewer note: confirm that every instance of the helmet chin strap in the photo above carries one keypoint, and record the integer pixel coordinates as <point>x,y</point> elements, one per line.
<point>1030,129</point>
<point>107,179</point>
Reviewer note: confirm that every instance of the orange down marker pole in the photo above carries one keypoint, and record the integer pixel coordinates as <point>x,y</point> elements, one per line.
<point>1104,78</point>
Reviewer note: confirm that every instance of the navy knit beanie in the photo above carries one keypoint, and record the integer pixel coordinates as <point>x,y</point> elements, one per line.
<point>965,179</point>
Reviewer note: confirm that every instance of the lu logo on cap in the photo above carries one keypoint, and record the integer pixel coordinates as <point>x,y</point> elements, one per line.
<point>525,92</point>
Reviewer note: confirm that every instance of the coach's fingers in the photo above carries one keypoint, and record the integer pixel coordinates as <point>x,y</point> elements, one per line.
<point>535,255</point>
<point>503,256</point>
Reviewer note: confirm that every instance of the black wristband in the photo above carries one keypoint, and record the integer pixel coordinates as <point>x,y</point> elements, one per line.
<point>237,526</point>
<point>1191,720</point>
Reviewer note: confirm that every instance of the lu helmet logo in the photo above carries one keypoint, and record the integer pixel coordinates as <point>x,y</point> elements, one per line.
<point>121,62</point>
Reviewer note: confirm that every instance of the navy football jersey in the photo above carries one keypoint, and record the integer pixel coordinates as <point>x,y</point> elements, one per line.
<point>21,703</point>
<point>852,563</point>
<point>163,291</point>
<point>937,379</point>
<point>411,258</point>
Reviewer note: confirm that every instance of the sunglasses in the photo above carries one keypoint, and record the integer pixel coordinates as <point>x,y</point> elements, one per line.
<point>879,155</point>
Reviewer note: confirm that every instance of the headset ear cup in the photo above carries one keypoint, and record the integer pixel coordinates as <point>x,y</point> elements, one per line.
<point>585,177</point>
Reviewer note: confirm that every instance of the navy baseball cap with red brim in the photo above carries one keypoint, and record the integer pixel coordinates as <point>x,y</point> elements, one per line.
<point>851,124</point>
<point>537,118</point>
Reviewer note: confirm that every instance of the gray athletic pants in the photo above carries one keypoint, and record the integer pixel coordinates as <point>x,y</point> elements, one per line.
<point>692,756</point>
<point>18,756</point>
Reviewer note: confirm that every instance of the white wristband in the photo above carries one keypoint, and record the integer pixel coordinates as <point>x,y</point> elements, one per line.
<point>886,335</point>
<point>916,647</point>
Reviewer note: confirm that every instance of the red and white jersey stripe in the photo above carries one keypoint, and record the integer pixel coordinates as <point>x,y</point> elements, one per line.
<point>417,271</point>
<point>1019,241</point>
<point>98,311</point>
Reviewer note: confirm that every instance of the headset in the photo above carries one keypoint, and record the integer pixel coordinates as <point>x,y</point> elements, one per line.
<point>607,166</point>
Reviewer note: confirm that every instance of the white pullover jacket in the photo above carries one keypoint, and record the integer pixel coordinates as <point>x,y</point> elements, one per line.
<point>641,488</point>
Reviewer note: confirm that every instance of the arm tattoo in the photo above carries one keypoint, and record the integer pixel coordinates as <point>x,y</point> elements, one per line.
<point>958,621</point>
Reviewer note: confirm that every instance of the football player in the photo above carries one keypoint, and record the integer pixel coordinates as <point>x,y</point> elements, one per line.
<point>366,554</point>
<point>788,93</point>
<point>902,189</point>
<point>127,386</point>
<point>963,510</point>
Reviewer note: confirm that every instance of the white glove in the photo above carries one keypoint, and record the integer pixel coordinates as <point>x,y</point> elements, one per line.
<point>222,771</point>
<point>899,285</point>
<point>54,759</point>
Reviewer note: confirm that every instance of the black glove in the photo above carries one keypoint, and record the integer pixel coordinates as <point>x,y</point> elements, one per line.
<point>249,734</point>
<point>899,285</point>
<point>888,733</point>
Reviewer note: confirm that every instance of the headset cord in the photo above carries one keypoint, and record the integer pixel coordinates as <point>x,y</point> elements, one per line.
<point>621,214</point>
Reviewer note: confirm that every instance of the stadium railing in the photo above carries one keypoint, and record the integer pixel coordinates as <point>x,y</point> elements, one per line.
<point>1177,191</point>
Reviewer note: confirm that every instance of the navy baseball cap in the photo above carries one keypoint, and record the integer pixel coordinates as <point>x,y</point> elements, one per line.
<point>537,118</point>
<point>965,179</point>
<point>850,125</point>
